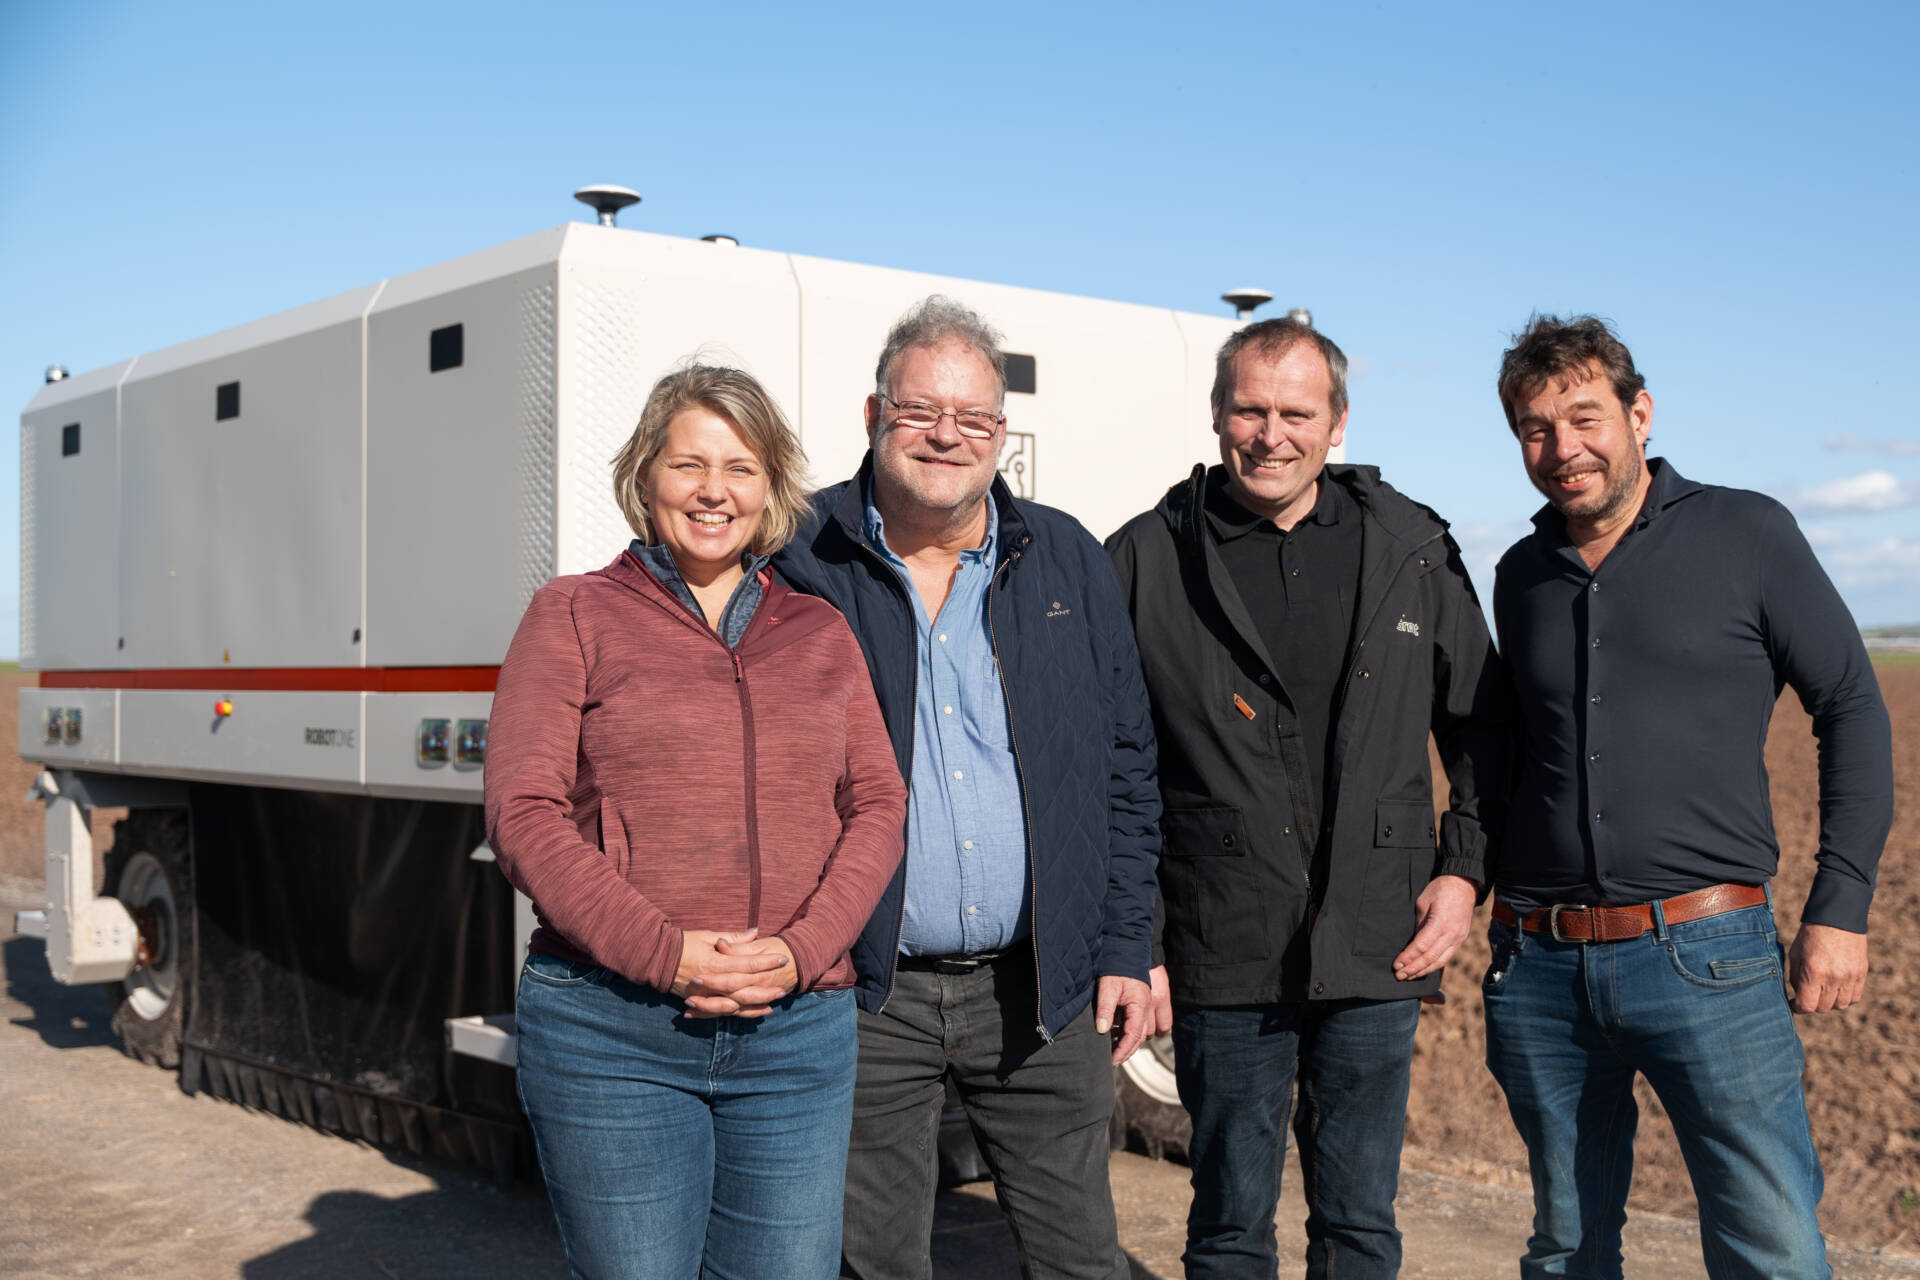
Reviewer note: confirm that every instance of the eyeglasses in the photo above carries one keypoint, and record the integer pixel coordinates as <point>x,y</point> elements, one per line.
<point>921,416</point>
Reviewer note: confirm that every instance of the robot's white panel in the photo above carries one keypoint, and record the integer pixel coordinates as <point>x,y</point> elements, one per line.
<point>68,726</point>
<point>634,306</point>
<point>70,532</point>
<point>285,739</point>
<point>392,744</point>
<point>460,448</point>
<point>1114,415</point>
<point>240,491</point>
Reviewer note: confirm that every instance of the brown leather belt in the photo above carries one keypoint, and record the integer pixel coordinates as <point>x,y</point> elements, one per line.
<point>1616,924</point>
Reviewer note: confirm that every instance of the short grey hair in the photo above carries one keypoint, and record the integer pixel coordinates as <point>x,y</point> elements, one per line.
<point>1273,339</point>
<point>935,321</point>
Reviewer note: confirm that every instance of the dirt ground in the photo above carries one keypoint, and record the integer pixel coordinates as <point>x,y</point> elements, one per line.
<point>109,1170</point>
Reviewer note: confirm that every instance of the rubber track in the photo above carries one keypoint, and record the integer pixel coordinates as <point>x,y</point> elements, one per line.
<point>497,1147</point>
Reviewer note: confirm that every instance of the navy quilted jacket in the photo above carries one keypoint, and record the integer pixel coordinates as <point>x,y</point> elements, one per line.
<point>1078,711</point>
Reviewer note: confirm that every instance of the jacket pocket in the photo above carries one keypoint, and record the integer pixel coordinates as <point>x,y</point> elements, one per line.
<point>613,838</point>
<point>1398,867</point>
<point>1210,882</point>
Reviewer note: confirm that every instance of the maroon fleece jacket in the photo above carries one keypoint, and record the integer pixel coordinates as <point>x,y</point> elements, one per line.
<point>643,779</point>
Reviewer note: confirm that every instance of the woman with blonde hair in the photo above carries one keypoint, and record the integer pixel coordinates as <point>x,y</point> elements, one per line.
<point>689,777</point>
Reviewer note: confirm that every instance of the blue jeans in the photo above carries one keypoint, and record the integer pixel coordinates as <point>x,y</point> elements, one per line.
<point>1236,1069</point>
<point>676,1148</point>
<point>1701,1010</point>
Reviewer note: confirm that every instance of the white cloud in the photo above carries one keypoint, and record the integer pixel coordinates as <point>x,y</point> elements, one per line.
<point>1822,535</point>
<point>1870,491</point>
<point>1882,560</point>
<point>1849,442</point>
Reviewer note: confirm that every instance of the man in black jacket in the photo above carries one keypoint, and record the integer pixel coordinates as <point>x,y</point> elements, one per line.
<point>1010,953</point>
<point>1302,629</point>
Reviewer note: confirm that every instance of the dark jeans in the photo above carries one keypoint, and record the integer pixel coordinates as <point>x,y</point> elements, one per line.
<point>1039,1112</point>
<point>1236,1067</point>
<point>676,1148</point>
<point>1701,1010</point>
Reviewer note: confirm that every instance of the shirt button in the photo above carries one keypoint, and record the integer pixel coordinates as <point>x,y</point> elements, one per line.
<point>1296,573</point>
<point>1596,815</point>
<point>966,844</point>
<point>973,911</point>
<point>1362,673</point>
<point>1595,699</point>
<point>1318,987</point>
<point>1596,641</point>
<point>1594,758</point>
<point>1594,587</point>
<point>943,637</point>
<point>947,710</point>
<point>1286,831</point>
<point>957,775</point>
<point>1265,679</point>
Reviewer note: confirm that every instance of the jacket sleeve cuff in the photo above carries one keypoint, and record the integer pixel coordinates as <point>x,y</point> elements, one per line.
<point>660,963</point>
<point>1838,901</point>
<point>1124,958</point>
<point>1463,849</point>
<point>807,969</point>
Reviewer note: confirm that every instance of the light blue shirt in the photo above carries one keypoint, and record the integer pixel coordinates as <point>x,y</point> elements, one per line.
<point>967,884</point>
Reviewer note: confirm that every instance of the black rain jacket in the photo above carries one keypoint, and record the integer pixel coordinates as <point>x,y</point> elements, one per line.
<point>1248,848</point>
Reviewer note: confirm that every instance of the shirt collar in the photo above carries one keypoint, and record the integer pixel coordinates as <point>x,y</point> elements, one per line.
<point>1667,487</point>
<point>1230,520</point>
<point>875,530</point>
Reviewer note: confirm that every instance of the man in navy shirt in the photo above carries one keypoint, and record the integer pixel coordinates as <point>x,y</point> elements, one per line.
<point>1650,622</point>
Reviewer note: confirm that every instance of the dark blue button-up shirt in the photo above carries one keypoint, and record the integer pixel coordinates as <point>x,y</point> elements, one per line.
<point>1646,688</point>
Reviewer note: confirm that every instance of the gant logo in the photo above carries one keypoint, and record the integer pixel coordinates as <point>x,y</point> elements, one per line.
<point>1057,611</point>
<point>1411,628</point>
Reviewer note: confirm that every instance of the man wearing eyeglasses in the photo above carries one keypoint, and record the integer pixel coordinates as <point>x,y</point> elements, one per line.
<point>1010,953</point>
<point>1303,628</point>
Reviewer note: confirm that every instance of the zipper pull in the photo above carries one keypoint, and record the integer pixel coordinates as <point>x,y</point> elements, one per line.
<point>739,672</point>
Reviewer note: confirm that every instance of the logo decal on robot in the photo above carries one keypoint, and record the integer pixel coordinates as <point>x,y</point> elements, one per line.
<point>1016,463</point>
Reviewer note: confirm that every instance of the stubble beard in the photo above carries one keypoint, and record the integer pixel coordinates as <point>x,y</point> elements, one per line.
<point>1615,495</point>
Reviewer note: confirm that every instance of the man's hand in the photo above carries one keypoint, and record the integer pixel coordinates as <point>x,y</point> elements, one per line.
<point>1443,914</point>
<point>1828,968</point>
<point>1133,1000</point>
<point>732,974</point>
<point>1162,1001</point>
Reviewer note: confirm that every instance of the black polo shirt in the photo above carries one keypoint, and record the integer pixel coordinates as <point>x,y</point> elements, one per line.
<point>1646,687</point>
<point>1298,587</point>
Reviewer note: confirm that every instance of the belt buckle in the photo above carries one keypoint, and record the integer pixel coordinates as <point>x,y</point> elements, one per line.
<point>1553,921</point>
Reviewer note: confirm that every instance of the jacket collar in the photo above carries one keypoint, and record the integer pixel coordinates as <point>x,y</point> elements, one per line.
<point>1230,520</point>
<point>1385,510</point>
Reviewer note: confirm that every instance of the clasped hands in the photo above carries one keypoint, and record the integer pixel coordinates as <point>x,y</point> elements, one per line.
<point>733,975</point>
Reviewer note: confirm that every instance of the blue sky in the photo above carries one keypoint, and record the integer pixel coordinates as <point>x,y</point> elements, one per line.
<point>1733,185</point>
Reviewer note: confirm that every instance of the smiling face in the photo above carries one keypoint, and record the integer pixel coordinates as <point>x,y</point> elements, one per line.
<point>705,492</point>
<point>1276,428</point>
<point>1584,450</point>
<point>939,474</point>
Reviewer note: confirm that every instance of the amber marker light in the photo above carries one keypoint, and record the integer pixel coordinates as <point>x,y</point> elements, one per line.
<point>223,708</point>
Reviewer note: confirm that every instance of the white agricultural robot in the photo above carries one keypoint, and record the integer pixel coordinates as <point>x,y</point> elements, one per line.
<point>267,578</point>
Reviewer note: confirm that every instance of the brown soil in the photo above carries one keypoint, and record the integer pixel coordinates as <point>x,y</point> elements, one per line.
<point>1863,1064</point>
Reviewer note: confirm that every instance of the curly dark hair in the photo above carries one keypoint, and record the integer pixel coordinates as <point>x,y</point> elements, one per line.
<point>1550,348</point>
